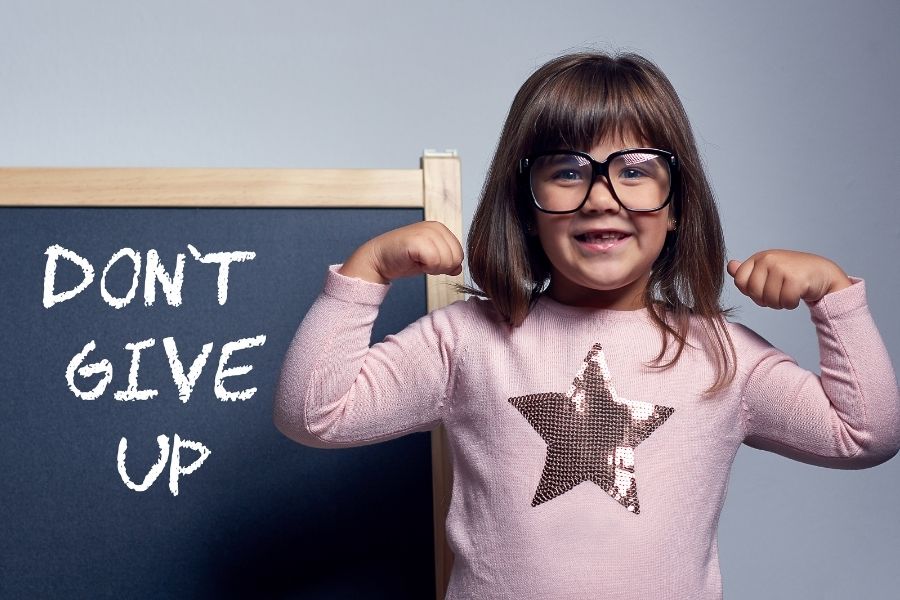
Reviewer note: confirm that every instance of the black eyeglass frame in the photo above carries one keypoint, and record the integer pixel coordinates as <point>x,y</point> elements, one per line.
<point>601,168</point>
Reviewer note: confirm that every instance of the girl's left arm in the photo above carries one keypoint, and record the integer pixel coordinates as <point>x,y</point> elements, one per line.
<point>849,416</point>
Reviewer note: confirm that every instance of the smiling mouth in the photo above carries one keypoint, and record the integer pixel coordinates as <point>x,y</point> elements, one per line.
<point>598,237</point>
<point>602,240</point>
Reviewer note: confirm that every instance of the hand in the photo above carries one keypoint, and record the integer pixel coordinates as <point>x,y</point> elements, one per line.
<point>782,278</point>
<point>425,247</point>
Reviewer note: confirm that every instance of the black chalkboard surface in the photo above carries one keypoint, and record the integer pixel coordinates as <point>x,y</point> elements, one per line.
<point>259,515</point>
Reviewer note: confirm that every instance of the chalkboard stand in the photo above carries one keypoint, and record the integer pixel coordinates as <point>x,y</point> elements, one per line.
<point>434,187</point>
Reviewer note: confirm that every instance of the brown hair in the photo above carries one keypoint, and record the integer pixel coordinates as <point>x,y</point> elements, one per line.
<point>572,102</point>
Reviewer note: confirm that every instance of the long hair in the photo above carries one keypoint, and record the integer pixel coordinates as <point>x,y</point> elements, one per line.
<point>574,101</point>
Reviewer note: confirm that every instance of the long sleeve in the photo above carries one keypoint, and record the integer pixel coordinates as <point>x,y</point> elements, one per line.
<point>849,416</point>
<point>462,366</point>
<point>336,391</point>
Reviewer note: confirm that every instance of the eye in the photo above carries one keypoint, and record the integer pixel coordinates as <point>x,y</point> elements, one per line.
<point>564,170</point>
<point>631,174</point>
<point>636,168</point>
<point>566,175</point>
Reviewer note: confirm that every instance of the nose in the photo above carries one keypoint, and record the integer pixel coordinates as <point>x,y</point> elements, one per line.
<point>600,198</point>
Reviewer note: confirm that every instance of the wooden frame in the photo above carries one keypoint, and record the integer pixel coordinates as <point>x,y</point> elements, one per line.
<point>435,187</point>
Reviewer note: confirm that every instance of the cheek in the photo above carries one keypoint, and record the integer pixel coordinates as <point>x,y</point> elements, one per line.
<point>551,233</point>
<point>653,231</point>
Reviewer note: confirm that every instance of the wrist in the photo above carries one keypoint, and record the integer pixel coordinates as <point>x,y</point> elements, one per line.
<point>362,265</point>
<point>839,281</point>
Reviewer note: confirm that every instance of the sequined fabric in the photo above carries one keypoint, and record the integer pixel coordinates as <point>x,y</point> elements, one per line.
<point>591,433</point>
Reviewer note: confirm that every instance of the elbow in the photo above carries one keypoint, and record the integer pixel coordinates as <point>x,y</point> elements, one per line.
<point>876,443</point>
<point>884,447</point>
<point>870,458</point>
<point>874,450</point>
<point>884,442</point>
<point>289,421</point>
<point>284,420</point>
<point>290,417</point>
<point>285,416</point>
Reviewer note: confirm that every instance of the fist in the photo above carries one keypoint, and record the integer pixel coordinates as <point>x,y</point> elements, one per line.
<point>782,278</point>
<point>425,247</point>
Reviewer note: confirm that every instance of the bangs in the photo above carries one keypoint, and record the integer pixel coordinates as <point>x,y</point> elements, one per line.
<point>594,101</point>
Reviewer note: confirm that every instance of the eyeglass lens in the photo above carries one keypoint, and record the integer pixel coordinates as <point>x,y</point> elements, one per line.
<point>641,181</point>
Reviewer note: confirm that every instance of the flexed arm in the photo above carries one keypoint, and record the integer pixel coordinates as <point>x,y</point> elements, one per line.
<point>849,416</point>
<point>334,389</point>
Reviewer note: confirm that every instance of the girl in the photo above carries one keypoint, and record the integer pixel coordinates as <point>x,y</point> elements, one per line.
<point>593,394</point>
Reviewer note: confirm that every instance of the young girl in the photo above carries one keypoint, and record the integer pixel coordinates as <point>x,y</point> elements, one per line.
<point>594,396</point>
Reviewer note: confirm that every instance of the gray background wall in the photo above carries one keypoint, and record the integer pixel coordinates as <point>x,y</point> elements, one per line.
<point>794,105</point>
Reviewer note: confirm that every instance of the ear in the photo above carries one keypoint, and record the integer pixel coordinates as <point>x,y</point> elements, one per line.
<point>671,223</point>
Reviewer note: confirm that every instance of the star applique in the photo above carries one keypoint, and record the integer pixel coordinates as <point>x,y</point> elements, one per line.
<point>591,433</point>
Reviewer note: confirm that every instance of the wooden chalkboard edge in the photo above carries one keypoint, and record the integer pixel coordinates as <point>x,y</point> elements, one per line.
<point>188,187</point>
<point>443,202</point>
<point>435,187</point>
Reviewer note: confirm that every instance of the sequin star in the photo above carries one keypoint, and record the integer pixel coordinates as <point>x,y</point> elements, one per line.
<point>591,433</point>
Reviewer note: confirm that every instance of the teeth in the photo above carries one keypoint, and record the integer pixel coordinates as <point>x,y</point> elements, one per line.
<point>603,236</point>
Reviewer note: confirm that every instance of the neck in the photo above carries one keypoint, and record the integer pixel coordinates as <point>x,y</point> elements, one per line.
<point>629,297</point>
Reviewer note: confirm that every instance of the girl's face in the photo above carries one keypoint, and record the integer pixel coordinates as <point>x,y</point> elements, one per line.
<point>588,270</point>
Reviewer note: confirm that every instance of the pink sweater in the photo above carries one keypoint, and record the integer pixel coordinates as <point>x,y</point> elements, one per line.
<point>579,472</point>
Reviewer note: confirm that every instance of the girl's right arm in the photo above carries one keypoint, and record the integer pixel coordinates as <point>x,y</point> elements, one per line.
<point>334,389</point>
<point>426,247</point>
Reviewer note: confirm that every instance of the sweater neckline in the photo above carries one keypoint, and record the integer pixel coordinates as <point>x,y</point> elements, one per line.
<point>585,312</point>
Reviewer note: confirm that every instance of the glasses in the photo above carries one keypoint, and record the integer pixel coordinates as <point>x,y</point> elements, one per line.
<point>561,180</point>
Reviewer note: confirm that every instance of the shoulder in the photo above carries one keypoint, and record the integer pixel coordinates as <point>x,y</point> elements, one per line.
<point>699,329</point>
<point>707,337</point>
<point>744,338</point>
<point>471,314</point>
<point>455,329</point>
<point>753,350</point>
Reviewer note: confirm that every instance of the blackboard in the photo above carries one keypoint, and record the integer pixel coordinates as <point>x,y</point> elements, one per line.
<point>261,516</point>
